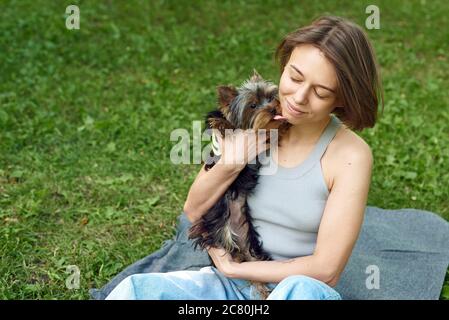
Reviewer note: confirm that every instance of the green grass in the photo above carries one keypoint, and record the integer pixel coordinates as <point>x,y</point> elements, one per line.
<point>86,116</point>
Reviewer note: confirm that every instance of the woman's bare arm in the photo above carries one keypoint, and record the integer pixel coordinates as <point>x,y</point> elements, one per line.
<point>207,188</point>
<point>210,185</point>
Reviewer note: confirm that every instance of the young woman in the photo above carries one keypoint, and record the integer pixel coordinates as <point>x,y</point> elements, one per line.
<point>310,211</point>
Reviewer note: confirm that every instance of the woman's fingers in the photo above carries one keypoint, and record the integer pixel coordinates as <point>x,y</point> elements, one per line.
<point>242,146</point>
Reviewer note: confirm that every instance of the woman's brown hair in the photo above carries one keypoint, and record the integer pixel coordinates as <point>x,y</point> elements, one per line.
<point>347,47</point>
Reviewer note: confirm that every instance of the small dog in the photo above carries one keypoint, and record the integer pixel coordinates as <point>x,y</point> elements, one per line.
<point>228,224</point>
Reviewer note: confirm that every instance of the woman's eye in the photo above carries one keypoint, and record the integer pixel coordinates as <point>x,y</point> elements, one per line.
<point>320,97</point>
<point>296,80</point>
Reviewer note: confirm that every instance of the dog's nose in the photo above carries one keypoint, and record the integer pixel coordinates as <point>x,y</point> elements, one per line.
<point>273,112</point>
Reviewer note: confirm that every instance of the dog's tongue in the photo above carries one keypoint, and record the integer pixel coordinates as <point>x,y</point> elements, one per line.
<point>279,117</point>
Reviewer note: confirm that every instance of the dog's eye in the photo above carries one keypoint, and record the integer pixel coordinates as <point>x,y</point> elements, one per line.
<point>270,99</point>
<point>253,105</point>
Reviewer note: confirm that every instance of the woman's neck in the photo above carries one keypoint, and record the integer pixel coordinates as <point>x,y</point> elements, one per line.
<point>305,134</point>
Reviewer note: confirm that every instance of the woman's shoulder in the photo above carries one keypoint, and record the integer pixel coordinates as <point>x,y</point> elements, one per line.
<point>348,143</point>
<point>348,146</point>
<point>344,147</point>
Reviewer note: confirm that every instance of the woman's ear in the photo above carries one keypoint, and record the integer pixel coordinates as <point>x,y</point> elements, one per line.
<point>338,103</point>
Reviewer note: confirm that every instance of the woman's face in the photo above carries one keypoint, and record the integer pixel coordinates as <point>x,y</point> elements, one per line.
<point>308,83</point>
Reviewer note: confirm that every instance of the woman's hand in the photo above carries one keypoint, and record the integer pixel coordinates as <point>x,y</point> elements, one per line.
<point>223,261</point>
<point>241,147</point>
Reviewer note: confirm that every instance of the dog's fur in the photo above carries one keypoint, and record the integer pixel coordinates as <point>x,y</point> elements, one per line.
<point>228,223</point>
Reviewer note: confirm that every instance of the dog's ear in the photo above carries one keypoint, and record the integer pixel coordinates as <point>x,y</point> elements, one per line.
<point>256,76</point>
<point>225,96</point>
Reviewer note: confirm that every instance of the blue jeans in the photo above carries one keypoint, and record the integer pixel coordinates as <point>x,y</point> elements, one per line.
<point>210,284</point>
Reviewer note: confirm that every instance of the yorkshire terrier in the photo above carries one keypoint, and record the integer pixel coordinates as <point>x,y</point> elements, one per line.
<point>228,224</point>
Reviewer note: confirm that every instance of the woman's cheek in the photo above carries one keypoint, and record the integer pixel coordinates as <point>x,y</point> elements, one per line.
<point>286,88</point>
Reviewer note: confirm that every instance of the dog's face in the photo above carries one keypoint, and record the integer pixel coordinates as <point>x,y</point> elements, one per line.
<point>251,106</point>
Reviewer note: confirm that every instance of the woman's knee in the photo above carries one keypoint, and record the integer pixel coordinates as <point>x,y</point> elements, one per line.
<point>300,279</point>
<point>134,286</point>
<point>124,290</point>
<point>298,287</point>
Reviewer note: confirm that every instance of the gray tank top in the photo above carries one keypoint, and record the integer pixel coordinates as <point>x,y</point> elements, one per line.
<point>288,203</point>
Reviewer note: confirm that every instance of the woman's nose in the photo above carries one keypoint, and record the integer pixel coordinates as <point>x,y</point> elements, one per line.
<point>300,96</point>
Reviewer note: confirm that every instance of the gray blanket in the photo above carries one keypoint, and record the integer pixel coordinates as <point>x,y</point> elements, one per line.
<point>400,254</point>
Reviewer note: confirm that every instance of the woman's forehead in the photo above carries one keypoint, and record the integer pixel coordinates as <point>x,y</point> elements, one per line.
<point>312,63</point>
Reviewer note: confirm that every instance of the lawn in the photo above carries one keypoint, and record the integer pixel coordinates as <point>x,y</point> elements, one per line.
<point>86,116</point>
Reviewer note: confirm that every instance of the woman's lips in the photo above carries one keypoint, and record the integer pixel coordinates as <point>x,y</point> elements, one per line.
<point>294,111</point>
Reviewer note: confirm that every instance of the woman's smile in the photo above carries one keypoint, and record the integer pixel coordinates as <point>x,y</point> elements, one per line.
<point>293,111</point>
